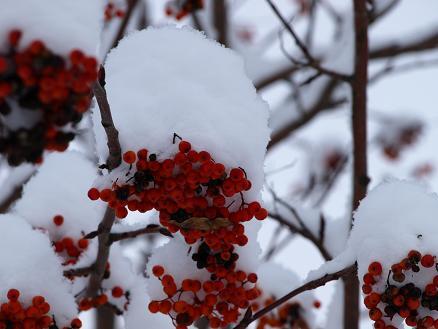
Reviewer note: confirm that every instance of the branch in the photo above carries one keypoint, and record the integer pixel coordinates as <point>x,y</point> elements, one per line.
<point>390,68</point>
<point>311,61</point>
<point>152,228</point>
<point>82,271</point>
<point>359,131</point>
<point>324,102</point>
<point>112,134</point>
<point>102,252</point>
<point>124,24</point>
<point>424,43</point>
<point>247,320</point>
<point>220,21</point>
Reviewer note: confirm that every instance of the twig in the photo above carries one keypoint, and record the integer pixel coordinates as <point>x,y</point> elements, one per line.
<point>102,252</point>
<point>220,21</point>
<point>114,237</point>
<point>115,152</point>
<point>390,68</point>
<point>124,24</point>
<point>82,271</point>
<point>351,270</point>
<point>359,131</point>
<point>311,61</point>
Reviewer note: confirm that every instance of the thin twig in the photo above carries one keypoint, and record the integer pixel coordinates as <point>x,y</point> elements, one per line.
<point>102,252</point>
<point>311,285</point>
<point>115,152</point>
<point>114,237</point>
<point>310,60</point>
<point>82,271</point>
<point>124,24</point>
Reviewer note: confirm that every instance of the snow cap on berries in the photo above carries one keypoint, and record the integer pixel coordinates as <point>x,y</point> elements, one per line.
<point>191,86</point>
<point>80,21</point>
<point>59,188</point>
<point>30,265</point>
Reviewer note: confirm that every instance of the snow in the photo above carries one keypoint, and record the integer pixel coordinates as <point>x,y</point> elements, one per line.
<point>78,21</point>
<point>60,187</point>
<point>393,219</point>
<point>29,264</point>
<point>276,281</point>
<point>137,315</point>
<point>180,82</point>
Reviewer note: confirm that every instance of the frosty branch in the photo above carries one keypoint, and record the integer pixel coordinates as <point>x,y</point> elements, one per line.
<point>248,319</point>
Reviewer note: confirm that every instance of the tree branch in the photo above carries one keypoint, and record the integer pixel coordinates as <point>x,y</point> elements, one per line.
<point>112,134</point>
<point>102,252</point>
<point>310,60</point>
<point>359,131</point>
<point>152,228</point>
<point>220,21</point>
<point>351,270</point>
<point>124,24</point>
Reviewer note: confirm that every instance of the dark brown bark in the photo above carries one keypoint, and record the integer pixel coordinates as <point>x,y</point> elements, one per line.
<point>248,318</point>
<point>359,126</point>
<point>105,318</point>
<point>220,21</point>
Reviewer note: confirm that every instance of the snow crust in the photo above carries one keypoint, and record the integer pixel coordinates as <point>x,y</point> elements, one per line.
<point>29,264</point>
<point>78,23</point>
<point>181,82</point>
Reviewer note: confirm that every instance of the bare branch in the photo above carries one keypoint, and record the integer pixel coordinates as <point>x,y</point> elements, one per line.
<point>423,43</point>
<point>124,24</point>
<point>114,237</point>
<point>82,271</point>
<point>220,21</point>
<point>323,103</point>
<point>102,252</point>
<point>311,285</point>
<point>115,152</point>
<point>402,68</point>
<point>310,60</point>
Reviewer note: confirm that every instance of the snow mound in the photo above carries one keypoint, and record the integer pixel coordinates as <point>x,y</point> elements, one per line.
<point>181,82</point>
<point>276,281</point>
<point>29,264</point>
<point>60,187</point>
<point>137,315</point>
<point>393,219</point>
<point>78,21</point>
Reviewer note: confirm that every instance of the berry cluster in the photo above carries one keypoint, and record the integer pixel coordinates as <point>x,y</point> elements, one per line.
<point>401,137</point>
<point>67,247</point>
<point>102,299</point>
<point>14,315</point>
<point>289,315</point>
<point>400,297</point>
<point>198,198</point>
<point>220,299</point>
<point>112,11</point>
<point>181,8</point>
<point>41,95</point>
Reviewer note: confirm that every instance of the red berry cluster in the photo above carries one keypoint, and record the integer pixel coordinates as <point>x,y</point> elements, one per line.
<point>46,92</point>
<point>220,299</point>
<point>102,299</point>
<point>14,315</point>
<point>402,298</point>
<point>67,247</point>
<point>181,8</point>
<point>112,11</point>
<point>197,197</point>
<point>289,315</point>
<point>403,137</point>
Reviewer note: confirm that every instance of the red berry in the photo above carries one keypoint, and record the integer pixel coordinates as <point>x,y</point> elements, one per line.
<point>117,292</point>
<point>184,146</point>
<point>93,194</point>
<point>428,260</point>
<point>58,220</point>
<point>158,270</point>
<point>129,157</point>
<point>375,268</point>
